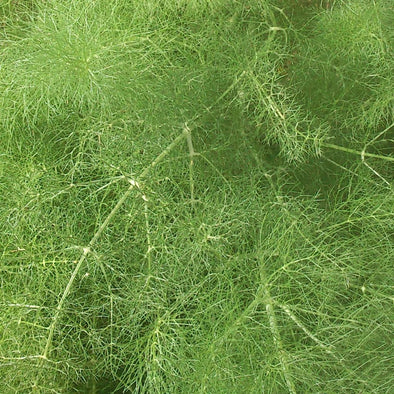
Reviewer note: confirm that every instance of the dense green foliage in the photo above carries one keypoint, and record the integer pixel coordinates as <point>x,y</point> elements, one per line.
<point>196,196</point>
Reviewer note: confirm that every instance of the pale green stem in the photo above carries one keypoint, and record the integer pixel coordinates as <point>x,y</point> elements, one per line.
<point>262,296</point>
<point>192,153</point>
<point>97,235</point>
<point>284,362</point>
<point>148,237</point>
<point>356,152</point>
<point>307,332</point>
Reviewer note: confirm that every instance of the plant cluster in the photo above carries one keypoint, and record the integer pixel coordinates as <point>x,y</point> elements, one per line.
<point>196,196</point>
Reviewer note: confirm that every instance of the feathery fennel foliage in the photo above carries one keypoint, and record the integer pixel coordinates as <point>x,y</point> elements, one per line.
<point>196,197</point>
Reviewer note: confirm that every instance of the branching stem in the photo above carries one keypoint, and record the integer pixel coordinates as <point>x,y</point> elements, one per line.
<point>269,307</point>
<point>96,236</point>
<point>356,152</point>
